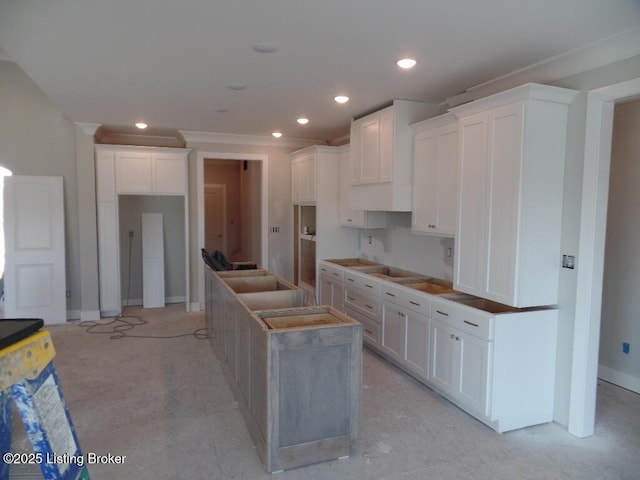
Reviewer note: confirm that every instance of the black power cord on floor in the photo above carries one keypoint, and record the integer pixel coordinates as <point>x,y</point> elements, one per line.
<point>120,325</point>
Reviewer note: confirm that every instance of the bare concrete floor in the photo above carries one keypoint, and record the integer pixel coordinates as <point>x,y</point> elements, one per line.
<point>164,403</point>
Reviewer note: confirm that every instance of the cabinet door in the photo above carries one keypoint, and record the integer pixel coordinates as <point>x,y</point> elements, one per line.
<point>504,168</point>
<point>425,181</point>
<point>447,188</point>
<point>296,165</point>
<point>416,354</point>
<point>471,386</point>
<point>326,291</point>
<point>169,174</point>
<point>386,139</point>
<point>370,149</point>
<point>470,255</point>
<point>331,293</point>
<point>134,172</point>
<point>309,175</point>
<point>393,330</point>
<point>442,371</point>
<point>348,217</point>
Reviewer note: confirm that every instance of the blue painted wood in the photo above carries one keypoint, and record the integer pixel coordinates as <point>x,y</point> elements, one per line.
<point>5,431</point>
<point>23,394</point>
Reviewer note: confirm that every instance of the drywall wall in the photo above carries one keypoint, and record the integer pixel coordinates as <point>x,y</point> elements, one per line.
<point>620,300</point>
<point>131,208</point>
<point>398,246</point>
<point>37,139</point>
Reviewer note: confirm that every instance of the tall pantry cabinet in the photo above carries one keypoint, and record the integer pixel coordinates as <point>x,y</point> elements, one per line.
<point>512,155</point>
<point>317,232</point>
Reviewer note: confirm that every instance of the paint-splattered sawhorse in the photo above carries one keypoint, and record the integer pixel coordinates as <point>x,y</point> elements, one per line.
<point>28,378</point>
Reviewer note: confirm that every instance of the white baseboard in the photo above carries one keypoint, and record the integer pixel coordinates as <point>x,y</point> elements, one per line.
<point>89,315</point>
<point>195,307</point>
<point>74,314</point>
<point>138,302</point>
<point>622,379</point>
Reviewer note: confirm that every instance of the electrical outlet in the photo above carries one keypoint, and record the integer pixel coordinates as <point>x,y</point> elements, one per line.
<point>625,348</point>
<point>68,293</point>
<point>569,261</point>
<point>370,239</point>
<point>130,233</point>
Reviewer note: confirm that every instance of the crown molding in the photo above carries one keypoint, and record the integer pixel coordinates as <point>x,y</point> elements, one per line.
<point>256,140</point>
<point>88,128</point>
<point>612,49</point>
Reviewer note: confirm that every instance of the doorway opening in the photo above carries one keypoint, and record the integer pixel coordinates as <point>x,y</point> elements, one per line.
<point>620,331</point>
<point>245,228</point>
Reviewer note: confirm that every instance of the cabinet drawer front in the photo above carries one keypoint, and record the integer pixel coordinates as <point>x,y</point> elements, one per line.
<point>370,329</point>
<point>417,302</point>
<point>467,319</point>
<point>333,272</point>
<point>365,283</point>
<point>366,304</point>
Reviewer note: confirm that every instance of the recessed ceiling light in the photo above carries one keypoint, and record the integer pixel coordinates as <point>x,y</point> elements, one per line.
<point>141,125</point>
<point>236,86</point>
<point>302,121</point>
<point>277,134</point>
<point>265,48</point>
<point>221,110</point>
<point>406,63</point>
<point>341,99</point>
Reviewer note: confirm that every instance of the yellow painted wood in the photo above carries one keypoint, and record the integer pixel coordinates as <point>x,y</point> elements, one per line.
<point>25,359</point>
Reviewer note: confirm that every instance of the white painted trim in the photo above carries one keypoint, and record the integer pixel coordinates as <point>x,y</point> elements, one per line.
<point>622,379</point>
<point>88,128</point>
<point>200,207</point>
<point>195,307</point>
<point>590,265</point>
<point>74,315</point>
<point>254,140</point>
<point>138,302</point>
<point>89,315</point>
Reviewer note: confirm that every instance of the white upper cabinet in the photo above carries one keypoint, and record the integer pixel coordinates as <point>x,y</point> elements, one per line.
<point>150,171</point>
<point>512,155</point>
<point>348,216</point>
<point>381,156</point>
<point>303,177</point>
<point>435,171</point>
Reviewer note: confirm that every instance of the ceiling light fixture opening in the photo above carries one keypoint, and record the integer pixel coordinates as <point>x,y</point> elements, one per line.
<point>302,121</point>
<point>236,86</point>
<point>265,48</point>
<point>277,134</point>
<point>341,99</point>
<point>141,125</point>
<point>406,63</point>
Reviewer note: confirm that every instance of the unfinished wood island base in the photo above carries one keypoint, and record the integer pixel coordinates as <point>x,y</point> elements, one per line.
<point>295,371</point>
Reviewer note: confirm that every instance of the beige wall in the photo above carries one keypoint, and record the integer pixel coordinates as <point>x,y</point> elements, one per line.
<point>620,302</point>
<point>37,139</point>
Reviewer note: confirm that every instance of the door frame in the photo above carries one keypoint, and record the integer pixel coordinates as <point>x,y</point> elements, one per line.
<point>590,271</point>
<point>223,187</point>
<point>264,208</point>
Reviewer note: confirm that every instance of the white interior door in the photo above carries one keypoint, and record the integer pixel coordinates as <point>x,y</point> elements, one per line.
<point>152,260</point>
<point>35,281</point>
<point>215,237</point>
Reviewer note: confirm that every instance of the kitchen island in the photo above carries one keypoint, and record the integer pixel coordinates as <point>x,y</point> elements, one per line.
<point>295,371</point>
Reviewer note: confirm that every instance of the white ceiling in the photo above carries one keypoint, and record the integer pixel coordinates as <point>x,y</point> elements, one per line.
<point>170,62</point>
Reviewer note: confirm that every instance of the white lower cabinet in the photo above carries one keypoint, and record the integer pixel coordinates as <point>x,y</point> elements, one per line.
<point>331,292</point>
<point>405,338</point>
<point>459,367</point>
<point>495,362</point>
